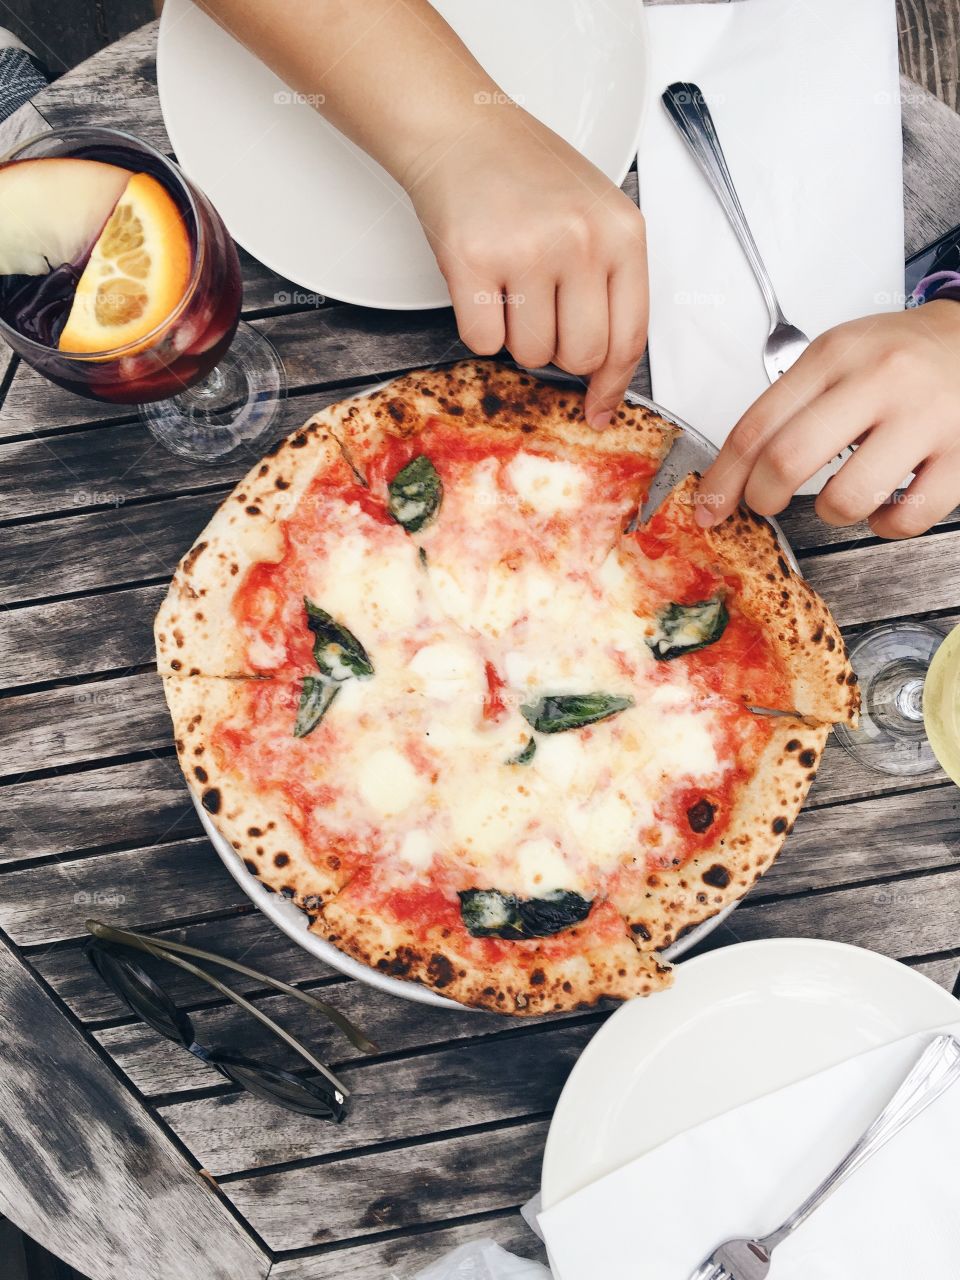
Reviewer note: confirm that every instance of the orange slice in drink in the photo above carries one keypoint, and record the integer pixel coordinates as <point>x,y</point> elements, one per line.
<point>137,273</point>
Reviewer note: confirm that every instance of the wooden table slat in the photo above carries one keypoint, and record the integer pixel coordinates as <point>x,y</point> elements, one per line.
<point>114,1186</point>
<point>411,1186</point>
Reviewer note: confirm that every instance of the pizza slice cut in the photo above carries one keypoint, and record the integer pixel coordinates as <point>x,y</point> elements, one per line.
<point>727,608</point>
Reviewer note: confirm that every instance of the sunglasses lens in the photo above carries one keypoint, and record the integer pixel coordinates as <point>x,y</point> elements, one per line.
<point>316,1097</point>
<point>135,986</point>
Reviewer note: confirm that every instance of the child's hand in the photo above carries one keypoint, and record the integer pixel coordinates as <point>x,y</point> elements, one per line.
<point>891,384</point>
<point>541,252</point>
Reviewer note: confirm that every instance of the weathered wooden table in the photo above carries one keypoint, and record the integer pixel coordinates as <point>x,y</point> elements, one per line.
<point>123,1154</point>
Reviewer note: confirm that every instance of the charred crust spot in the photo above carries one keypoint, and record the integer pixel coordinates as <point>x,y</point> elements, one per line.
<point>253,511</point>
<point>568,987</point>
<point>211,800</point>
<point>718,876</point>
<point>852,678</point>
<point>399,965</point>
<point>175,664</point>
<point>280,483</point>
<point>640,930</point>
<point>808,758</point>
<point>701,898</point>
<point>841,677</point>
<point>831,643</point>
<point>190,559</point>
<point>701,815</point>
<point>779,825</point>
<point>255,832</point>
<point>491,404</point>
<point>298,441</point>
<point>287,891</point>
<point>817,635</point>
<point>396,410</point>
<point>281,859</point>
<point>251,866</point>
<point>793,745</point>
<point>263,469</point>
<point>333,862</point>
<point>200,773</point>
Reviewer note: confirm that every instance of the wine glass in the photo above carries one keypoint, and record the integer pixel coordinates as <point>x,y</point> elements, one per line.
<point>206,383</point>
<point>909,675</point>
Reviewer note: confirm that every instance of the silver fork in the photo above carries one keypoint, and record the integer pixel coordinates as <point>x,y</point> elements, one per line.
<point>688,110</point>
<point>933,1073</point>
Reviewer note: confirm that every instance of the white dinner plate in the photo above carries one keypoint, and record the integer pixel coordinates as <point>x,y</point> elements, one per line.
<point>317,210</point>
<point>738,1023</point>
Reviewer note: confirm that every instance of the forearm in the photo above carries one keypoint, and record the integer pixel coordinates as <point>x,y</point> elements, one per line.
<point>390,74</point>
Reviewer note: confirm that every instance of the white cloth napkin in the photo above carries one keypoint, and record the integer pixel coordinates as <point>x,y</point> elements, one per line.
<point>741,1174</point>
<point>805,97</point>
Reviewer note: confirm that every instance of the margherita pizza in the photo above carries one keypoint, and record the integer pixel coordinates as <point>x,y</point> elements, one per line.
<point>433,682</point>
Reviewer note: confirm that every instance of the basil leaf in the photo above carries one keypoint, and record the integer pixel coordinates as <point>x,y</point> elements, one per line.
<point>559,712</point>
<point>684,628</point>
<point>315,699</point>
<point>415,494</point>
<point>525,754</point>
<point>337,652</point>
<point>488,913</point>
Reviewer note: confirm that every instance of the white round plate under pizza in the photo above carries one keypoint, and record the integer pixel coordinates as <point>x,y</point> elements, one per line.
<point>436,682</point>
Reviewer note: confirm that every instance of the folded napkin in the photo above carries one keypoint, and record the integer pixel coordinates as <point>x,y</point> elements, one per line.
<point>743,1173</point>
<point>805,97</point>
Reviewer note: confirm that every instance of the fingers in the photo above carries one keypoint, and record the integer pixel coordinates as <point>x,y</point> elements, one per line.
<point>723,484</point>
<point>806,442</point>
<point>583,322</point>
<point>929,498</point>
<point>628,304</point>
<point>531,313</point>
<point>478,306</point>
<point>868,478</point>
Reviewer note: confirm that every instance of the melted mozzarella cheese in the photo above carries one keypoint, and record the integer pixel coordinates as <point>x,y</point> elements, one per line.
<point>419,767</point>
<point>448,670</point>
<point>388,783</point>
<point>548,485</point>
<point>371,586</point>
<point>417,849</point>
<point>542,868</point>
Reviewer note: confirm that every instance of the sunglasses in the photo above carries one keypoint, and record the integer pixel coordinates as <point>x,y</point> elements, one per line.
<point>112,952</point>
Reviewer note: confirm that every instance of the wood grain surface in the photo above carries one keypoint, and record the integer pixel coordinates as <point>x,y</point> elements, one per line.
<point>445,1136</point>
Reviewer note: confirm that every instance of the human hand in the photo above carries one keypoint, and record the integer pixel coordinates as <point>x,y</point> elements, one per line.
<point>541,252</point>
<point>890,384</point>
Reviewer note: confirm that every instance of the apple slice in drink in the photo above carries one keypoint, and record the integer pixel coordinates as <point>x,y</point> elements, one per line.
<point>52,210</point>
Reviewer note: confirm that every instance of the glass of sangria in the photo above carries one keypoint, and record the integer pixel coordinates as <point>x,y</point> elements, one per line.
<point>119,282</point>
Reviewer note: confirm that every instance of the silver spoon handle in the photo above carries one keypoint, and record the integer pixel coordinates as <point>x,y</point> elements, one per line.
<point>935,1071</point>
<point>688,110</point>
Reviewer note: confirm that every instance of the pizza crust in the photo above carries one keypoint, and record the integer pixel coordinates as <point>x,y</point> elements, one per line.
<point>794,617</point>
<point>664,904</point>
<point>486,396</point>
<point>592,962</point>
<point>257,822</point>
